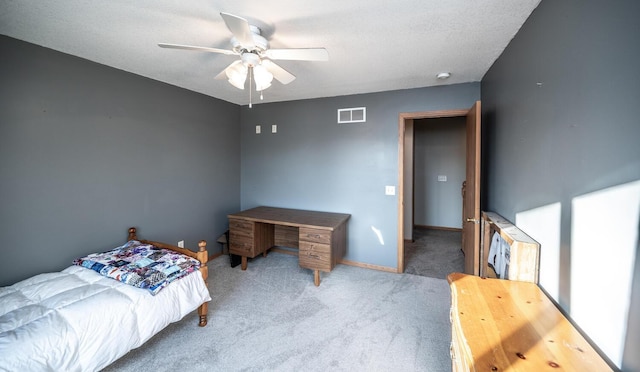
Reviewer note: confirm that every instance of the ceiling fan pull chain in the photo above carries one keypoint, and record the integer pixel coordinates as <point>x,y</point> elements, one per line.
<point>250,78</point>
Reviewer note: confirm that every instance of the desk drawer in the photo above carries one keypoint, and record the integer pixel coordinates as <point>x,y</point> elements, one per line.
<point>241,237</point>
<point>241,226</point>
<point>240,244</point>
<point>315,256</point>
<point>315,235</point>
<point>248,238</point>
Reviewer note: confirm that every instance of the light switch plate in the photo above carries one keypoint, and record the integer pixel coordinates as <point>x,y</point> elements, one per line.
<point>257,129</point>
<point>442,178</point>
<point>274,128</point>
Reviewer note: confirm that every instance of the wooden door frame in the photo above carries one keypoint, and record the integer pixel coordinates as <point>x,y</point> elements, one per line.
<point>471,201</point>
<point>402,117</point>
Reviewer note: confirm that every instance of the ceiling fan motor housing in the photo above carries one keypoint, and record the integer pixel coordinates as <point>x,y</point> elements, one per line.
<point>250,59</point>
<point>260,44</point>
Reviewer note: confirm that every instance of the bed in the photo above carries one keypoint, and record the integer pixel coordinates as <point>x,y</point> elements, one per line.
<point>79,319</point>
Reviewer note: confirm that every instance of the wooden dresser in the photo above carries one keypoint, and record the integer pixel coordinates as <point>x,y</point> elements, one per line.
<point>503,325</point>
<point>321,237</point>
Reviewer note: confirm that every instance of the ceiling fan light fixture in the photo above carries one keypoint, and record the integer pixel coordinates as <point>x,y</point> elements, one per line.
<point>443,75</point>
<point>237,74</point>
<point>262,77</point>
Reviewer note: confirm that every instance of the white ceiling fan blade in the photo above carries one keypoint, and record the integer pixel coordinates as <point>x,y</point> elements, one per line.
<point>282,75</point>
<point>239,27</point>
<point>299,54</point>
<point>197,48</point>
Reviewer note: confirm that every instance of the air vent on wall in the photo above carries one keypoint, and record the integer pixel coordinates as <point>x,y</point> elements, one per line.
<point>352,115</point>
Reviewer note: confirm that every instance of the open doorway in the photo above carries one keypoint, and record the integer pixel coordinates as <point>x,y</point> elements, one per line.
<point>434,248</point>
<point>439,158</point>
<point>469,214</point>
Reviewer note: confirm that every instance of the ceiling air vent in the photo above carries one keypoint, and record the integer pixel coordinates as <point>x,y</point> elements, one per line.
<point>352,115</point>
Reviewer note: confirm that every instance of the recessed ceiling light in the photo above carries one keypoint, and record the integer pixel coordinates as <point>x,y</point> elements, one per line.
<point>443,75</point>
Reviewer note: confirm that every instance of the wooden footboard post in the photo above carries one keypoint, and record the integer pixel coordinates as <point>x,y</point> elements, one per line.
<point>203,257</point>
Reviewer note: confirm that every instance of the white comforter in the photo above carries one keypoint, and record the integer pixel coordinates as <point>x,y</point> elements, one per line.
<point>78,320</point>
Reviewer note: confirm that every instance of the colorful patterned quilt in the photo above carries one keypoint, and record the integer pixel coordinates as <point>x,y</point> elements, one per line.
<point>140,265</point>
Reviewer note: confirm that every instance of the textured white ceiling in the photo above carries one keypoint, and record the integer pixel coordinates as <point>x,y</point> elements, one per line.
<point>373,45</point>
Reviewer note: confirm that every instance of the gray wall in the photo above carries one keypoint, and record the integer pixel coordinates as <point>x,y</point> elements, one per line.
<point>440,150</point>
<point>314,163</point>
<point>87,151</point>
<point>576,133</point>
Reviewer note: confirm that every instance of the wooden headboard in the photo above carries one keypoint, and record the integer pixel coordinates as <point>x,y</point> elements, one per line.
<point>201,255</point>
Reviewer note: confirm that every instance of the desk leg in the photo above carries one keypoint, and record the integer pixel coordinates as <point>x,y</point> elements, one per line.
<point>243,263</point>
<point>316,277</point>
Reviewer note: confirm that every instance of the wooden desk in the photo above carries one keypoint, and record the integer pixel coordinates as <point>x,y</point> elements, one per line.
<point>504,325</point>
<point>321,237</point>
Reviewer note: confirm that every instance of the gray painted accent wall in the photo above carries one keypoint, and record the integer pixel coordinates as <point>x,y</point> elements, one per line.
<point>314,163</point>
<point>574,133</point>
<point>87,151</point>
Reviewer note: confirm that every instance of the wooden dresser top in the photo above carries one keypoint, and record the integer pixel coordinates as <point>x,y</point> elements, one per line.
<point>512,325</point>
<point>293,217</point>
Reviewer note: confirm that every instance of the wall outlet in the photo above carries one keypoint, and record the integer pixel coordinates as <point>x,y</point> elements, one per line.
<point>181,244</point>
<point>274,128</point>
<point>258,129</point>
<point>389,190</point>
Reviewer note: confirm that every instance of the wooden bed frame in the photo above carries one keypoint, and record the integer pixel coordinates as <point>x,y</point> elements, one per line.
<point>201,256</point>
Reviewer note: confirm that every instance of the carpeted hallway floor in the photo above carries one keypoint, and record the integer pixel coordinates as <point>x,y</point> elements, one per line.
<point>434,253</point>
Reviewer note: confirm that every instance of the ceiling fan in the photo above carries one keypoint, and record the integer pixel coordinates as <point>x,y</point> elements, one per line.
<point>256,58</point>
